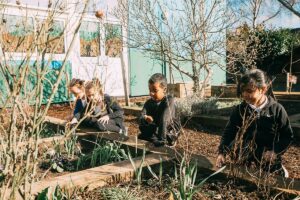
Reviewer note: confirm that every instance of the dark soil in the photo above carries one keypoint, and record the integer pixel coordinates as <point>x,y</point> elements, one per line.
<point>198,140</point>
<point>212,189</point>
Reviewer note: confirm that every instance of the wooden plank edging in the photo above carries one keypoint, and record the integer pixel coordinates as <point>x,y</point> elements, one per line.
<point>98,176</point>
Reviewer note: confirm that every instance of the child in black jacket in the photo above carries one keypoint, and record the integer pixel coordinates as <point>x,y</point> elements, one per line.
<point>100,110</point>
<point>158,123</point>
<point>259,130</point>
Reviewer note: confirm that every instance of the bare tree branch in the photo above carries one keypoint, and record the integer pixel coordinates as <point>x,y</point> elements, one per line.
<point>290,6</point>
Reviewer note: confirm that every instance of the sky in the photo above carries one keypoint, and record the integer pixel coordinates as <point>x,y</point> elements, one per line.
<point>285,18</point>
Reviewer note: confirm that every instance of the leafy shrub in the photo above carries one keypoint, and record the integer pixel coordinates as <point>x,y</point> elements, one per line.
<point>193,105</point>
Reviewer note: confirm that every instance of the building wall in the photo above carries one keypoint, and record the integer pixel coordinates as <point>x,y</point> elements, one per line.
<point>138,65</point>
<point>86,63</point>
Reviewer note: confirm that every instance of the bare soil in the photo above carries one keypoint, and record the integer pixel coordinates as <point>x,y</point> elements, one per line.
<point>212,189</point>
<point>198,140</point>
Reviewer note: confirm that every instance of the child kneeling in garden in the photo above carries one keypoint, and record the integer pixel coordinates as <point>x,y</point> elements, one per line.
<point>258,131</point>
<point>158,123</point>
<point>100,111</point>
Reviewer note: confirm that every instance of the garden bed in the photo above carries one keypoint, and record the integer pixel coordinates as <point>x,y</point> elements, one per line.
<point>64,155</point>
<point>218,187</point>
<point>205,143</point>
<point>87,159</point>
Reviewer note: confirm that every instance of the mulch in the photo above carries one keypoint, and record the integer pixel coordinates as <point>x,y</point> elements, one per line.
<point>197,139</point>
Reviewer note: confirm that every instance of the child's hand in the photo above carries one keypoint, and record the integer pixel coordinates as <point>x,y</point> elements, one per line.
<point>148,118</point>
<point>220,160</point>
<point>269,156</point>
<point>104,119</point>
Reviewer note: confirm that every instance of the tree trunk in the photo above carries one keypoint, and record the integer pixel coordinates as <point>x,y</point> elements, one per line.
<point>196,87</point>
<point>206,81</point>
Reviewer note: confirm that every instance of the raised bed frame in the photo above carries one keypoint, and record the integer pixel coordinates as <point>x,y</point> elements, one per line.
<point>167,153</point>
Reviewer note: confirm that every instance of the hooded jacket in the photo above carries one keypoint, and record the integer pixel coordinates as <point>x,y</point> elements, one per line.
<point>270,129</point>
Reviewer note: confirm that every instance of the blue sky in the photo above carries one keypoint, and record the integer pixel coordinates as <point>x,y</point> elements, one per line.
<point>285,18</point>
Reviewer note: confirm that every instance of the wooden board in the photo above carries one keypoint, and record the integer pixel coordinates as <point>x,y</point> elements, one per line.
<point>98,176</point>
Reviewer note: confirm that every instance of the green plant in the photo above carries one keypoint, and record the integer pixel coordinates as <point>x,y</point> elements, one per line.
<point>194,105</point>
<point>103,153</point>
<point>186,179</point>
<point>57,148</point>
<point>50,130</point>
<point>118,193</point>
<point>159,177</point>
<point>43,195</point>
<point>138,169</point>
<point>58,194</point>
<point>70,145</point>
<point>57,168</point>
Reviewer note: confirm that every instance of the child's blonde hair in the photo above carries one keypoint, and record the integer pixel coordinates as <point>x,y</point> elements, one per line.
<point>94,84</point>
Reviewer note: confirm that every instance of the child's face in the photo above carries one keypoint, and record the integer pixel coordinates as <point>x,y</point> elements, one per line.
<point>253,95</point>
<point>77,91</point>
<point>93,95</point>
<point>156,92</point>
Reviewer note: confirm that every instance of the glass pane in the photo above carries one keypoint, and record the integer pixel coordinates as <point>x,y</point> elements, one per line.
<point>89,34</point>
<point>56,38</point>
<point>113,40</point>
<point>17,35</point>
<point>51,36</point>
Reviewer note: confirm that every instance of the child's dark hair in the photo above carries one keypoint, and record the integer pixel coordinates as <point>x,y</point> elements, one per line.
<point>255,78</point>
<point>158,78</point>
<point>76,82</point>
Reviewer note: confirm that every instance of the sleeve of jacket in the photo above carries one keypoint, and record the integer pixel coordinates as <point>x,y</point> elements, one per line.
<point>230,130</point>
<point>116,110</point>
<point>142,120</point>
<point>285,133</point>
<point>168,115</point>
<point>78,110</point>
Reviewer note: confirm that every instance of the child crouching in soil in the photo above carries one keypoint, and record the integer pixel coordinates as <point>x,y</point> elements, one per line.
<point>158,123</point>
<point>258,131</point>
<point>101,111</point>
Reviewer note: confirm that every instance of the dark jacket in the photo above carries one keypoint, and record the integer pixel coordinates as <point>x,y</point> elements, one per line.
<point>113,110</point>
<point>79,106</point>
<point>163,113</point>
<point>271,129</point>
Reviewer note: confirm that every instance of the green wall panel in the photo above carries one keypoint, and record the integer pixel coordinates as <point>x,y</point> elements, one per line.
<point>29,85</point>
<point>141,68</point>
